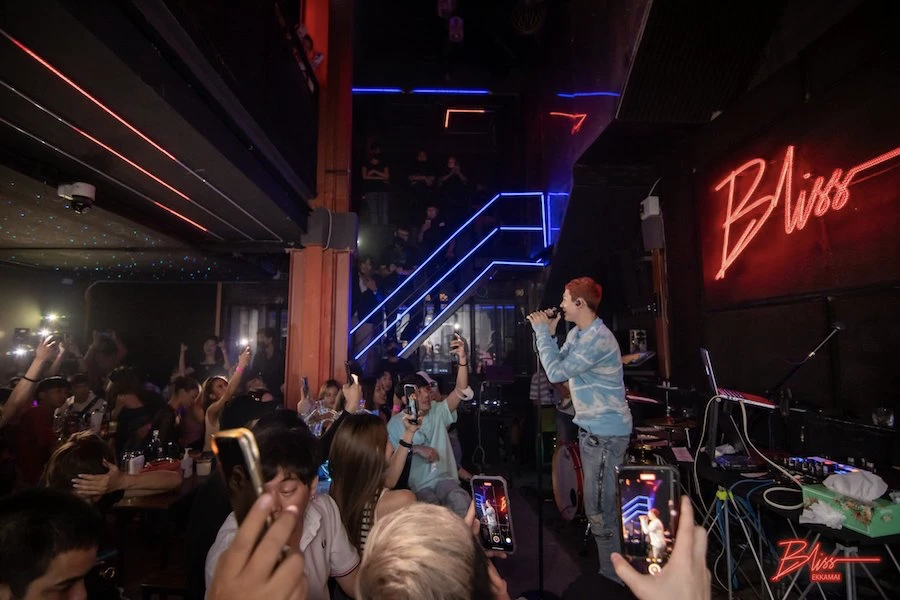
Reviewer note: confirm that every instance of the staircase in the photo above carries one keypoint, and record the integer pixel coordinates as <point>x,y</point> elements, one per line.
<point>499,246</point>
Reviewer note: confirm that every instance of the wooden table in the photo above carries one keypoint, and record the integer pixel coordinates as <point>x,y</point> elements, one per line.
<point>156,504</point>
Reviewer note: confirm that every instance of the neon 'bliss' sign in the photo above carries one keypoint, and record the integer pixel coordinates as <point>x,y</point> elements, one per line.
<point>824,195</point>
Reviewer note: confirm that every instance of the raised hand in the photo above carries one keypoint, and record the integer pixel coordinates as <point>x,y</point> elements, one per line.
<point>244,358</point>
<point>46,350</point>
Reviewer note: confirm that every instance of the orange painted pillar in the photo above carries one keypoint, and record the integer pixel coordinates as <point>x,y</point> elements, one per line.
<point>318,318</point>
<point>319,295</point>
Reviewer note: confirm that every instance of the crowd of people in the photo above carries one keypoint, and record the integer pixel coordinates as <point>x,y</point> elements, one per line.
<point>393,520</point>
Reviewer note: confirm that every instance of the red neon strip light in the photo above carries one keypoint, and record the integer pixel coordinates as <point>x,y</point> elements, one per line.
<point>577,117</point>
<point>87,95</point>
<point>450,111</point>
<point>148,174</point>
<point>128,125</point>
<point>795,558</point>
<point>824,195</point>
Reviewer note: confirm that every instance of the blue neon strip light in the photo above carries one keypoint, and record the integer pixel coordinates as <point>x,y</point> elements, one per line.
<point>588,94</point>
<point>520,228</point>
<point>410,277</point>
<point>546,231</point>
<point>426,292</point>
<point>437,251</point>
<point>638,506</point>
<point>376,90</point>
<point>451,91</point>
<point>504,263</point>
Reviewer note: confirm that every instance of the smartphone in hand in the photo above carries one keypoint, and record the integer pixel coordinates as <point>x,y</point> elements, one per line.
<point>454,357</point>
<point>649,503</point>
<point>239,464</point>
<point>412,406</point>
<point>492,509</point>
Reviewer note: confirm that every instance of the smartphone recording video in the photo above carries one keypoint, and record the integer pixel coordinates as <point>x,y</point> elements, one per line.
<point>412,406</point>
<point>354,371</point>
<point>649,503</point>
<point>492,509</point>
<point>238,458</point>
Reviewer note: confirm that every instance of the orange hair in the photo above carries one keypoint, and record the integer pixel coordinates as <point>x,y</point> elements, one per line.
<point>587,289</point>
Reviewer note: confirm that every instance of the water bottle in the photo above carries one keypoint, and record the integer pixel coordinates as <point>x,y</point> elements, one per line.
<point>155,450</point>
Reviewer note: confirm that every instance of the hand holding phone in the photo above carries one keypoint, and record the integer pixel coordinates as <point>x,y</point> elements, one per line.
<point>412,406</point>
<point>649,505</point>
<point>492,507</point>
<point>686,570</point>
<point>457,347</point>
<point>248,569</point>
<point>239,463</point>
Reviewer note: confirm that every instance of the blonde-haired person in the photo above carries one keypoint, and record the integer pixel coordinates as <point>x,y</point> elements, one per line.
<point>360,457</point>
<point>404,548</point>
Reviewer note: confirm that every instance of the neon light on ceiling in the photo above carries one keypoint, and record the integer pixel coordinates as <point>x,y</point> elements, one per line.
<point>434,285</point>
<point>451,92</point>
<point>411,276</point>
<point>99,172</point>
<point>823,195</point>
<point>465,290</point>
<point>520,228</point>
<point>577,117</point>
<point>68,81</point>
<point>588,94</point>
<point>451,111</point>
<point>376,90</point>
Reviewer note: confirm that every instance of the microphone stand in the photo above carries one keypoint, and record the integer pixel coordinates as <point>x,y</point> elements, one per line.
<point>834,331</point>
<point>539,594</point>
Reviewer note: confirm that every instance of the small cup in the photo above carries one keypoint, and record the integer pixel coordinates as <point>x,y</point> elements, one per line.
<point>204,467</point>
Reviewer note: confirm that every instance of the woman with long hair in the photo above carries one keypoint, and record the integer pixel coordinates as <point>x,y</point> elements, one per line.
<point>217,392</point>
<point>360,457</point>
<point>376,398</point>
<point>215,360</point>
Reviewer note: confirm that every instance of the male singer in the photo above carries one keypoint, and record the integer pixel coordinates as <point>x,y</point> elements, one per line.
<point>591,362</point>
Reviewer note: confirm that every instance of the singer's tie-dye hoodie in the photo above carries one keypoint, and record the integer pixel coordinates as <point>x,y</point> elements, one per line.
<point>591,362</point>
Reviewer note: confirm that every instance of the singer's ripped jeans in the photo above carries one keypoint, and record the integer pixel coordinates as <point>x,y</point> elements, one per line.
<point>599,458</point>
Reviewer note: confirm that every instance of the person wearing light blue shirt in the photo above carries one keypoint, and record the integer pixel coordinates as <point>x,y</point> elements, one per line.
<point>591,362</point>
<point>433,473</point>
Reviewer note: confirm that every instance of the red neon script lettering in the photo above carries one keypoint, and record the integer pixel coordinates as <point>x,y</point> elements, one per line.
<point>824,195</point>
<point>822,567</point>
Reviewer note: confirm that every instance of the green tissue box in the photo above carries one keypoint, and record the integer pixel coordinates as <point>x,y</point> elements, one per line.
<point>875,519</point>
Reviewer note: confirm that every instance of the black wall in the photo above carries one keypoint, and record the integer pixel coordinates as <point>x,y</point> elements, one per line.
<point>754,343</point>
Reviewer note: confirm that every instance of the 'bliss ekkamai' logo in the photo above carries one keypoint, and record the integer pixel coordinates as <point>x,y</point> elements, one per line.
<point>824,195</point>
<point>823,568</point>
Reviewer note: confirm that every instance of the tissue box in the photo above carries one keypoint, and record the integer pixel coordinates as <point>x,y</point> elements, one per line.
<point>875,519</point>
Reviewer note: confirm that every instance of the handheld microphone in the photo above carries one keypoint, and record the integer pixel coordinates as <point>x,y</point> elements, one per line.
<point>554,312</point>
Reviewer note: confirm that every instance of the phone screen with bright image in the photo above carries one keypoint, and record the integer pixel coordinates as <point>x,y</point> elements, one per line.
<point>492,509</point>
<point>648,499</point>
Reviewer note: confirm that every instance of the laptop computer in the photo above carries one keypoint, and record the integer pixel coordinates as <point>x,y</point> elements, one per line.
<point>738,462</point>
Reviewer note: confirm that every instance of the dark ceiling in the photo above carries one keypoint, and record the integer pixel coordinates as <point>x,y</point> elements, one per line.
<point>190,183</point>
<point>405,43</point>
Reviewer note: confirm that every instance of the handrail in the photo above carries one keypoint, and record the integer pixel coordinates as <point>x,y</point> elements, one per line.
<point>447,241</point>
<point>435,284</point>
<point>477,279</point>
